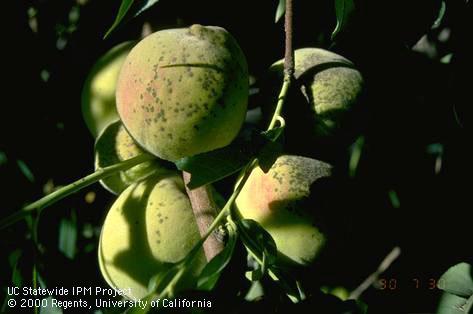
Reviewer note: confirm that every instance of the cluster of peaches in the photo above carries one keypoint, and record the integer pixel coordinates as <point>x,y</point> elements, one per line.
<point>182,92</point>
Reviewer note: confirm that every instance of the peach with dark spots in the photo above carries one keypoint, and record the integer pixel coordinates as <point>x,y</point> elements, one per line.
<point>177,99</point>
<point>331,85</point>
<point>135,244</point>
<point>276,200</point>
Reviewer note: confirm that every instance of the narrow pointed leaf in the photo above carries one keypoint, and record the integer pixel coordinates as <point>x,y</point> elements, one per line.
<point>122,11</point>
<point>212,271</point>
<point>343,12</point>
<point>280,10</point>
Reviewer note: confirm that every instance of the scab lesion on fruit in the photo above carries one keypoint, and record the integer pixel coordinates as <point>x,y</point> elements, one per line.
<point>208,67</point>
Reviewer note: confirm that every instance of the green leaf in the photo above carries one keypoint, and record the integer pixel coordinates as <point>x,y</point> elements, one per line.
<point>13,258</point>
<point>439,19</point>
<point>355,156</point>
<point>258,241</point>
<point>288,283</point>
<point>212,271</point>
<point>269,154</point>
<point>217,164</point>
<point>343,11</point>
<point>272,150</point>
<point>156,284</point>
<point>447,58</point>
<point>273,134</point>
<point>145,6</point>
<point>254,275</point>
<point>258,273</point>
<point>25,170</point>
<point>130,8</point>
<point>394,198</point>
<point>3,158</point>
<point>452,304</point>
<point>255,292</point>
<point>469,305</point>
<point>162,279</point>
<point>458,280</point>
<point>68,236</point>
<point>280,10</point>
<point>122,11</point>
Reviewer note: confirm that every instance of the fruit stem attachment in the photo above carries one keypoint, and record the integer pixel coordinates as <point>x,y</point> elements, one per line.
<point>205,210</point>
<point>288,64</point>
<point>73,187</point>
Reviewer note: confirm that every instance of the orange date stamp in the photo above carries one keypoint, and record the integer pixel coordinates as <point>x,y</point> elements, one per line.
<point>413,283</point>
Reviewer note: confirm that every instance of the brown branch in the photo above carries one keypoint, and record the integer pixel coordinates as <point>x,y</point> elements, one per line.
<point>387,261</point>
<point>205,211</point>
<point>289,53</point>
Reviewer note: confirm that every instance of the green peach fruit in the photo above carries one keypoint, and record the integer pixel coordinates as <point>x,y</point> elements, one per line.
<point>115,145</point>
<point>330,83</point>
<point>98,92</point>
<point>340,292</point>
<point>150,226</point>
<point>184,91</point>
<point>275,200</point>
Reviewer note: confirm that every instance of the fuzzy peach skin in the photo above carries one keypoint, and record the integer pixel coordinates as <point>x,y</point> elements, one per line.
<point>184,91</point>
<point>330,82</point>
<point>150,226</point>
<point>273,199</point>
